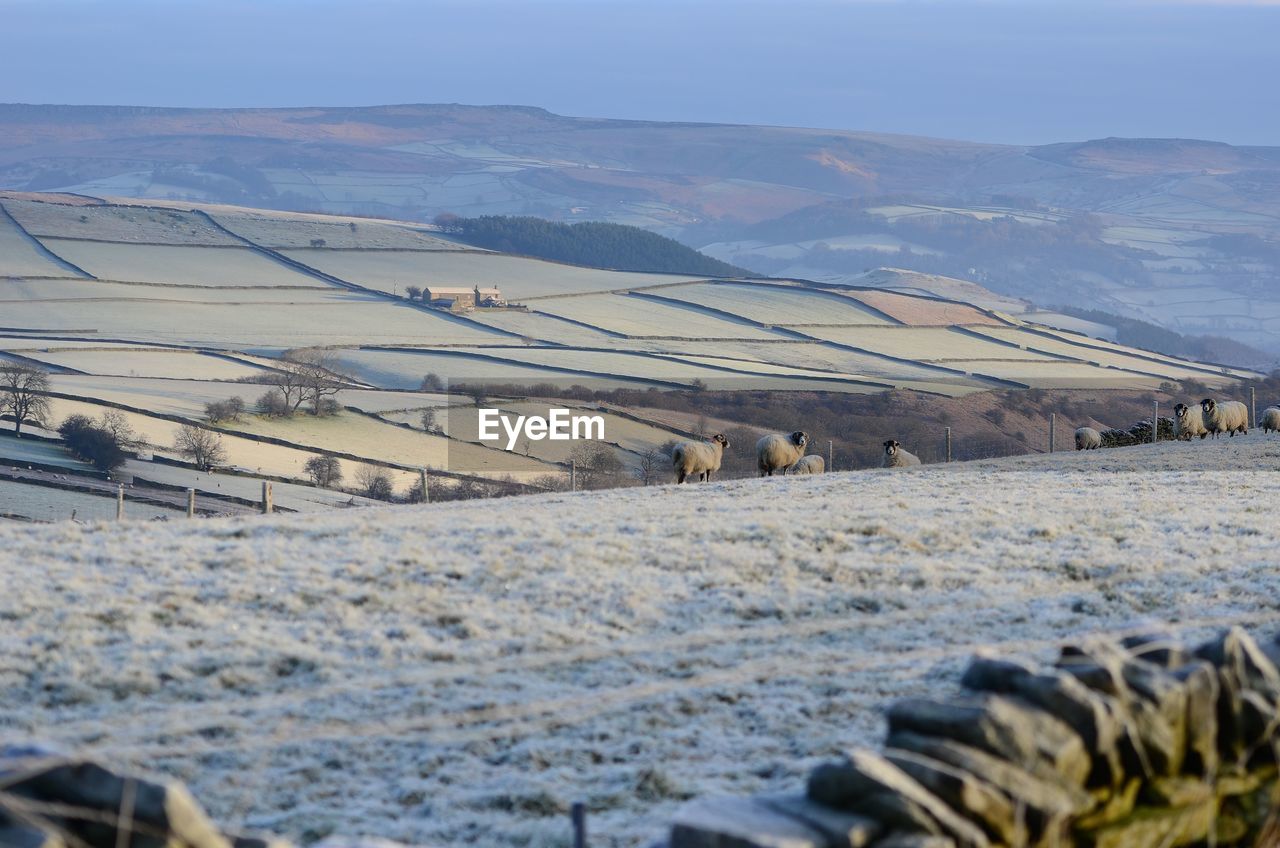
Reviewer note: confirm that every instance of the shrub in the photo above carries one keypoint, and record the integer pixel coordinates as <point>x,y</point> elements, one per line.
<point>273,405</point>
<point>374,482</point>
<point>324,470</point>
<point>92,443</point>
<point>225,410</point>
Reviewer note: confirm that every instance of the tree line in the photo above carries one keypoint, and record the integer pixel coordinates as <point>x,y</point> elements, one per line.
<point>592,243</point>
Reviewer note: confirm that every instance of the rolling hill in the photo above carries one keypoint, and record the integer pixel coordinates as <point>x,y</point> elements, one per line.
<point>156,309</point>
<point>1182,233</point>
<point>207,280</point>
<point>396,673</point>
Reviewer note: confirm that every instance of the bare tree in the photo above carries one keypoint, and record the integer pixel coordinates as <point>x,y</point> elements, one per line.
<point>202,447</point>
<point>115,423</point>
<point>317,374</point>
<point>374,482</point>
<point>428,420</point>
<point>288,394</point>
<point>324,470</point>
<point>413,292</point>
<point>431,383</point>
<point>648,467</point>
<point>21,395</point>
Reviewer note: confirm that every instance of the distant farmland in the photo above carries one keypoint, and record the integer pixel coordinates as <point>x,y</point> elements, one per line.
<point>159,309</point>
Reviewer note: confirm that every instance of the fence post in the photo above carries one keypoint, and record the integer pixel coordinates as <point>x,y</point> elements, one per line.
<point>578,813</point>
<point>573,475</point>
<point>120,502</point>
<point>948,430</point>
<point>268,505</point>
<point>422,480</point>
<point>1053,425</point>
<point>831,454</point>
<point>1155,423</point>
<point>191,503</point>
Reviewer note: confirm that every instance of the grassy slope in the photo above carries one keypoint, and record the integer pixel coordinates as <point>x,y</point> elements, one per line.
<point>592,646</point>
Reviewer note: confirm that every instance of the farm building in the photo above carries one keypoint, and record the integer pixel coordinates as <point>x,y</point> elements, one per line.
<point>457,297</point>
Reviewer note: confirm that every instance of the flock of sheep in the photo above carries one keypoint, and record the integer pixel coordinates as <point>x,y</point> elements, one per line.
<point>1207,418</point>
<point>785,454</point>
<point>775,453</point>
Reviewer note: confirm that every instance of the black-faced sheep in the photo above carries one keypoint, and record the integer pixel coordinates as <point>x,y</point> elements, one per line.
<point>811,464</point>
<point>896,456</point>
<point>1088,438</point>
<point>1230,416</point>
<point>1188,421</point>
<point>1271,419</point>
<point>698,459</point>
<point>778,453</point>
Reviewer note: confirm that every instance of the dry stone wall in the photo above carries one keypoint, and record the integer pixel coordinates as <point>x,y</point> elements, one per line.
<point>1140,742</point>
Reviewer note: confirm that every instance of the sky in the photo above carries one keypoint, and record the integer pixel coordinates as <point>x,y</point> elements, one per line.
<point>1015,71</point>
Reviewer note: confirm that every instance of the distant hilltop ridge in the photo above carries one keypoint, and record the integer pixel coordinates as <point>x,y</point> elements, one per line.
<point>1181,233</point>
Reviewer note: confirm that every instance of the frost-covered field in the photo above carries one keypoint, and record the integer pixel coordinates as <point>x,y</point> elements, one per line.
<point>458,673</point>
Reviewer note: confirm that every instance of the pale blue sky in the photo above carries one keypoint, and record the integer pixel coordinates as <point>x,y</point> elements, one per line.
<point>1025,71</point>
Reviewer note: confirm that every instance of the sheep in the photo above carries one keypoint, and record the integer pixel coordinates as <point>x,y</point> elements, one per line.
<point>1088,438</point>
<point>811,464</point>
<point>896,456</point>
<point>1188,421</point>
<point>698,458</point>
<point>778,453</point>
<point>1230,416</point>
<point>1271,419</point>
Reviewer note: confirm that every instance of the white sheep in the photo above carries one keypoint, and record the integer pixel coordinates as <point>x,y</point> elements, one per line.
<point>778,453</point>
<point>896,456</point>
<point>1188,421</point>
<point>811,464</point>
<point>1271,419</point>
<point>698,458</point>
<point>1230,416</point>
<point>1088,438</point>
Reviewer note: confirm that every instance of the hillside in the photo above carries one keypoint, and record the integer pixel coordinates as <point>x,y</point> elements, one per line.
<point>625,648</point>
<point>153,311</point>
<point>1178,232</point>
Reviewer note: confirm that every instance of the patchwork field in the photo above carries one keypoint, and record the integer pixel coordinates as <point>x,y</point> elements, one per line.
<point>237,299</point>
<point>368,437</point>
<point>927,344</point>
<point>170,364</point>
<point>455,686</point>
<point>640,316</point>
<point>20,256</point>
<point>352,320</point>
<point>182,311</point>
<point>283,231</point>
<point>778,305</point>
<point>182,265</point>
<point>113,223</point>
<point>519,278</point>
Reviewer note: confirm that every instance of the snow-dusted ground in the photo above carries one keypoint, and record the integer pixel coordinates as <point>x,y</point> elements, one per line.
<point>458,673</point>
